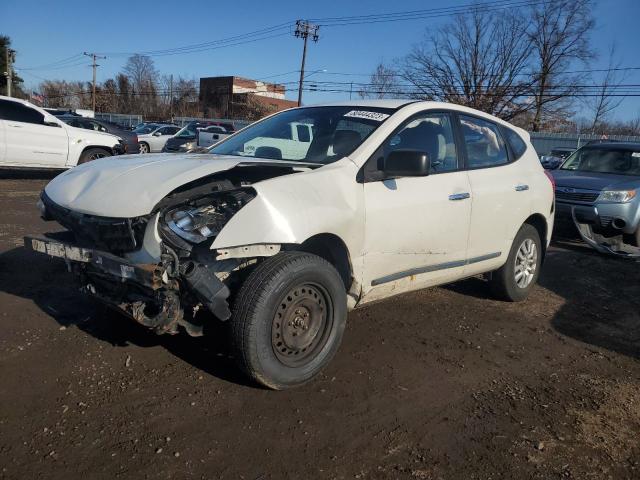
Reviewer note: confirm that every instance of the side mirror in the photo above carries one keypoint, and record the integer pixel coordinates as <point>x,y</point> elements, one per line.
<point>406,163</point>
<point>157,134</point>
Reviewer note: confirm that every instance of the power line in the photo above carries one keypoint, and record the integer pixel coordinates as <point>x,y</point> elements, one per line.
<point>426,13</point>
<point>258,35</point>
<point>48,66</point>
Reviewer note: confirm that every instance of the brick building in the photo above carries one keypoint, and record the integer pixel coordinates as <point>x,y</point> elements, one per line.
<point>219,96</point>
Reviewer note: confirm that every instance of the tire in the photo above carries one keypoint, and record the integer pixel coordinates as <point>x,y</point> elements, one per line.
<point>524,260</point>
<point>93,154</point>
<point>288,319</point>
<point>144,148</point>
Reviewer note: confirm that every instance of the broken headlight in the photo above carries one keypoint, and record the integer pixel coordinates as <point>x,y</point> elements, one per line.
<point>205,218</point>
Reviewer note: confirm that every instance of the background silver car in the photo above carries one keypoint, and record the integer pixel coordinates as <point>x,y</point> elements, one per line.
<point>152,137</point>
<point>598,190</point>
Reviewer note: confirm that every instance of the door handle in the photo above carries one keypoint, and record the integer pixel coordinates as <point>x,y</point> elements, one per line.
<point>521,187</point>
<point>459,196</point>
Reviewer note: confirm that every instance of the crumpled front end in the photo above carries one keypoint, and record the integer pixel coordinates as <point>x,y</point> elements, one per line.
<point>159,269</point>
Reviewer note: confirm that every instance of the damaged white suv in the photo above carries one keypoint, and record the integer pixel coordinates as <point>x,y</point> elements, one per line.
<point>375,199</point>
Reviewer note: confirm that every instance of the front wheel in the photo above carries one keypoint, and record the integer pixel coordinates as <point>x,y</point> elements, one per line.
<point>93,154</point>
<point>288,319</point>
<point>144,147</point>
<point>515,279</point>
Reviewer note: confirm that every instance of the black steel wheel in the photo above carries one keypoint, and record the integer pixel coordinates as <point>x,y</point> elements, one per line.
<point>301,324</point>
<point>288,319</point>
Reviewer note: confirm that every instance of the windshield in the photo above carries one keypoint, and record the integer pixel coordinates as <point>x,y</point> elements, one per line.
<point>188,131</point>
<point>619,161</point>
<point>145,129</point>
<point>314,134</point>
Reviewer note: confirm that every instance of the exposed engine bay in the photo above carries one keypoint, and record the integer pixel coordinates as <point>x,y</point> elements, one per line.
<point>159,268</point>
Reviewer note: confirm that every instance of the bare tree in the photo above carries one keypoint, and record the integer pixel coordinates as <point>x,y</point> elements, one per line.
<point>559,33</point>
<point>383,83</point>
<point>477,60</point>
<point>144,78</point>
<point>63,94</point>
<point>124,94</point>
<point>604,102</point>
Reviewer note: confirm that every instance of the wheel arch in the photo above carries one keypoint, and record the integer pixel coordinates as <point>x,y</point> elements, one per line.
<point>334,250</point>
<point>91,147</point>
<point>538,222</point>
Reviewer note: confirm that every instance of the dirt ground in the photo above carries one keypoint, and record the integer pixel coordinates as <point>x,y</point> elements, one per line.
<point>444,383</point>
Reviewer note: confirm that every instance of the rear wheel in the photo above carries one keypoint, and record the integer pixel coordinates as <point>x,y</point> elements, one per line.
<point>93,154</point>
<point>144,147</point>
<point>515,279</point>
<point>288,319</point>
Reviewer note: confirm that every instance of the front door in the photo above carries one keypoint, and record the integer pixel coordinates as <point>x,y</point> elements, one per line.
<point>416,228</point>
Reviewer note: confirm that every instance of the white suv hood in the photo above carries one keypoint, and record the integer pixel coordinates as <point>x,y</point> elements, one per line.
<point>130,186</point>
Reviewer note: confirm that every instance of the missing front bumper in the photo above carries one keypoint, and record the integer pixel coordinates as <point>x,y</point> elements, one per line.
<point>608,245</point>
<point>144,292</point>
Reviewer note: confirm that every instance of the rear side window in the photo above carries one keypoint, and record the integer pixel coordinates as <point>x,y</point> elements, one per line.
<point>18,112</point>
<point>484,143</point>
<point>518,147</point>
<point>303,133</point>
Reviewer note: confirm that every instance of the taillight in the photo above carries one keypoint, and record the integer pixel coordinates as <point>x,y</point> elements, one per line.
<point>551,179</point>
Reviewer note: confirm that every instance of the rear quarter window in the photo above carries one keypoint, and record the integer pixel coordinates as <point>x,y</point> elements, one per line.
<point>515,141</point>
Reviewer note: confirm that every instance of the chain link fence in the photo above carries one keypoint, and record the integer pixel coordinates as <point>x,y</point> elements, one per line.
<point>543,142</point>
<point>122,119</point>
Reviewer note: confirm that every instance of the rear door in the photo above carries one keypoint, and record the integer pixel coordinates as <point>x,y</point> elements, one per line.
<point>501,195</point>
<point>29,141</point>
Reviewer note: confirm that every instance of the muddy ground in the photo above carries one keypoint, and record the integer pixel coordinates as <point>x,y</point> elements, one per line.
<point>442,383</point>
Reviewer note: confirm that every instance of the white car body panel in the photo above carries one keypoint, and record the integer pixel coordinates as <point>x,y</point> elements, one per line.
<point>45,146</point>
<point>107,186</point>
<point>389,227</point>
<point>421,237</point>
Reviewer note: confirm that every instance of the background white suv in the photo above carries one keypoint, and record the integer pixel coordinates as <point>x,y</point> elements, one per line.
<point>30,137</point>
<point>282,239</point>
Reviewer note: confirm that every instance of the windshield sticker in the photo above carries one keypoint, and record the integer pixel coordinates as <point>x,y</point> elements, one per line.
<point>377,116</point>
<point>635,154</point>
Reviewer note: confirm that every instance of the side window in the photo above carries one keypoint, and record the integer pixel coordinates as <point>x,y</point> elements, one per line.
<point>18,112</point>
<point>431,133</point>
<point>485,146</point>
<point>173,130</point>
<point>303,133</point>
<point>97,127</point>
<point>518,147</point>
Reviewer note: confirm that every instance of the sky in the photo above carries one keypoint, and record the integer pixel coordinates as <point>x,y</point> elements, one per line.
<point>43,32</point>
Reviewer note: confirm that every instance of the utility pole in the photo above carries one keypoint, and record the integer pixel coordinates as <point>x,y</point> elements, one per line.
<point>303,30</point>
<point>10,58</point>
<point>94,57</point>
<point>171,97</point>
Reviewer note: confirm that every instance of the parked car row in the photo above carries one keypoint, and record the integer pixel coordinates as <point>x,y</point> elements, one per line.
<point>31,137</point>
<point>34,137</point>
